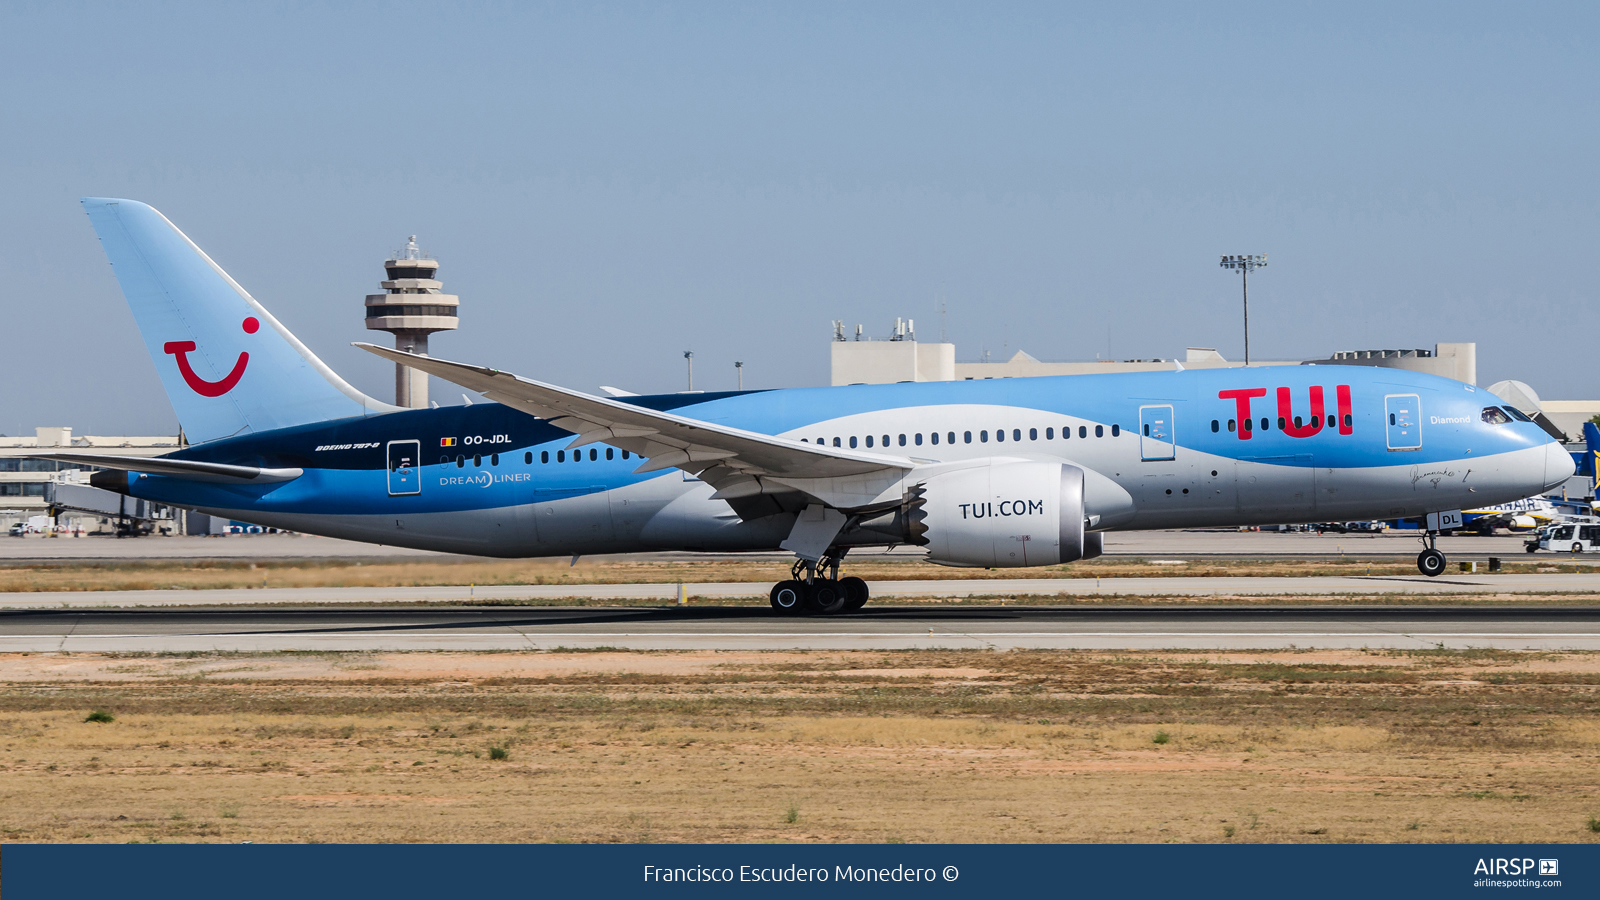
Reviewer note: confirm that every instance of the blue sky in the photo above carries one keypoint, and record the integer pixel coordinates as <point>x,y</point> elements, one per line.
<point>610,185</point>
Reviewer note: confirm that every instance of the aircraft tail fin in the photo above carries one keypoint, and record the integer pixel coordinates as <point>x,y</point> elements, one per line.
<point>1591,437</point>
<point>227,365</point>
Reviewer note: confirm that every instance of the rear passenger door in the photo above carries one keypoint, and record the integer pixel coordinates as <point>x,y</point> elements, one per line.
<point>404,458</point>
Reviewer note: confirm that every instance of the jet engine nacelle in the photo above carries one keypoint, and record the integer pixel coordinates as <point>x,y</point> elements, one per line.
<point>1006,514</point>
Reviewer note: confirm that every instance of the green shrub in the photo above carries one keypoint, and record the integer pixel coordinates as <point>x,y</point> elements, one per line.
<point>1594,823</point>
<point>1161,737</point>
<point>792,814</point>
<point>101,716</point>
<point>499,753</point>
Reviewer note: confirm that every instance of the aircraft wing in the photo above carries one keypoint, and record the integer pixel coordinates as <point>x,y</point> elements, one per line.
<point>730,459</point>
<point>181,468</point>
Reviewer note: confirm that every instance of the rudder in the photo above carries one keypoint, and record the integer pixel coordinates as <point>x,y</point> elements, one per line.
<point>227,365</point>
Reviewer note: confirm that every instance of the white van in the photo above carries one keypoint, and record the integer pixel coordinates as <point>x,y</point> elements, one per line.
<point>1570,537</point>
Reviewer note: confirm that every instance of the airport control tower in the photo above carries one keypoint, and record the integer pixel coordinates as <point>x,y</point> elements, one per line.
<point>412,309</point>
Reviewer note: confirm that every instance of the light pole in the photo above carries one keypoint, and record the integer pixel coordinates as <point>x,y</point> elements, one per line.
<point>738,367</point>
<point>1245,265</point>
<point>689,355</point>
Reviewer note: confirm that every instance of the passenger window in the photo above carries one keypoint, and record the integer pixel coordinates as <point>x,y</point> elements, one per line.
<point>1230,426</point>
<point>999,435</point>
<point>1147,429</point>
<point>1266,424</point>
<point>869,441</point>
<point>1116,430</point>
<point>983,437</point>
<point>494,459</point>
<point>477,460</point>
<point>1494,415</point>
<point>527,458</point>
<point>561,456</point>
<point>852,442</point>
<point>1297,421</point>
<point>836,442</point>
<point>461,462</point>
<point>444,460</point>
<point>1099,431</point>
<point>1280,423</point>
<point>1332,421</point>
<point>967,436</point>
<point>544,456</point>
<point>951,438</point>
<point>1249,424</point>
<point>886,440</point>
<point>609,451</point>
<point>1391,418</point>
<point>1215,427</point>
<point>1049,434</point>
<point>935,437</point>
<point>624,454</point>
<point>903,440</point>
<point>594,455</point>
<point>577,456</point>
<point>1348,420</point>
<point>1083,431</point>
<point>916,439</point>
<point>1033,434</point>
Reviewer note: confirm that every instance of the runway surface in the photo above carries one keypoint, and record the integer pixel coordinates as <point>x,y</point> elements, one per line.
<point>748,628</point>
<point>999,588</point>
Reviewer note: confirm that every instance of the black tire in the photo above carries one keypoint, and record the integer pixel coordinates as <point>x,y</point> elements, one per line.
<point>856,593</point>
<point>1431,563</point>
<point>788,597</point>
<point>1577,547</point>
<point>825,597</point>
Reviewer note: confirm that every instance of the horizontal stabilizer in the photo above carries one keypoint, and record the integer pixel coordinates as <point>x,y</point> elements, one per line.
<point>179,468</point>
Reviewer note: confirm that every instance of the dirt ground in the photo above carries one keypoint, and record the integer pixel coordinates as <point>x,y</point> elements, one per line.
<point>804,747</point>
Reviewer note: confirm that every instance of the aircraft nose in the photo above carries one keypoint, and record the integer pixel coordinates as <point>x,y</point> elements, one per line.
<point>1558,466</point>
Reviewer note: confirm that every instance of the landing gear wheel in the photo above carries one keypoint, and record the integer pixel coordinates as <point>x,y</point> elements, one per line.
<point>825,597</point>
<point>787,597</point>
<point>1431,562</point>
<point>855,590</point>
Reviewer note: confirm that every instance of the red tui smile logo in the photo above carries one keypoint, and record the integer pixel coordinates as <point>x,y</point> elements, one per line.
<point>180,350</point>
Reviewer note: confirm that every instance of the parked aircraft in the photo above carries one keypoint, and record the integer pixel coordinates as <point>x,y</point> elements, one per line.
<point>991,473</point>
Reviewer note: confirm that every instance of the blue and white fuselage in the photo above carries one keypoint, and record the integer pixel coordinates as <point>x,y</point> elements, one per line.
<point>493,481</point>
<point>1009,472</point>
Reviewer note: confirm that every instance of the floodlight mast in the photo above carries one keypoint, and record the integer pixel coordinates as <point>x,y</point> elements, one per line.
<point>1245,265</point>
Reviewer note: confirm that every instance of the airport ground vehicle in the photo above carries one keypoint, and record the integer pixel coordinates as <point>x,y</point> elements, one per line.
<point>1003,473</point>
<point>1581,536</point>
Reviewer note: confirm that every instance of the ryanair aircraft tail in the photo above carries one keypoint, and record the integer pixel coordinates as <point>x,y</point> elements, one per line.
<point>228,366</point>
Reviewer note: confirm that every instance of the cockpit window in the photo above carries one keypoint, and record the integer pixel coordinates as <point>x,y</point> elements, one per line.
<point>1494,415</point>
<point>1517,414</point>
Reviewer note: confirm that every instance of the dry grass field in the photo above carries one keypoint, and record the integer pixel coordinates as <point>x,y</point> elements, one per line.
<point>138,576</point>
<point>803,747</point>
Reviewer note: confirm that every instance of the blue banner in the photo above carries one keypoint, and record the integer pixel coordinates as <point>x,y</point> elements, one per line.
<point>497,872</point>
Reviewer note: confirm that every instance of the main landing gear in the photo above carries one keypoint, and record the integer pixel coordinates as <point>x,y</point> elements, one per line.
<point>1430,561</point>
<point>816,588</point>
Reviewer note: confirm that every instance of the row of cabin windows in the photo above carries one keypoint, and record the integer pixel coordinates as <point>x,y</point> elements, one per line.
<point>577,455</point>
<point>527,457</point>
<point>1266,423</point>
<point>949,437</point>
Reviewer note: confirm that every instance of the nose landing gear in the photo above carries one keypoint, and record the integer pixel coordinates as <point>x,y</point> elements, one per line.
<point>1430,561</point>
<point>815,587</point>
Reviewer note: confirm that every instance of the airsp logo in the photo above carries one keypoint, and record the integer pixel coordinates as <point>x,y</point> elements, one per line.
<point>1515,867</point>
